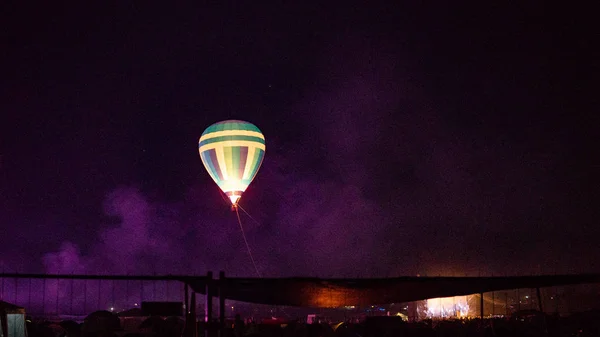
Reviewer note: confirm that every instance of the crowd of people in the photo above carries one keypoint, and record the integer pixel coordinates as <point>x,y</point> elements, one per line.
<point>106,324</point>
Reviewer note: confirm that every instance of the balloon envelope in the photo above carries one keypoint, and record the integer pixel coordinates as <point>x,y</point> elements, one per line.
<point>232,152</point>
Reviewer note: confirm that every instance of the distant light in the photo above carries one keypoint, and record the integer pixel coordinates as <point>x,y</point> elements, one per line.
<point>112,309</point>
<point>135,304</point>
<point>457,306</point>
<point>552,297</point>
<point>526,296</point>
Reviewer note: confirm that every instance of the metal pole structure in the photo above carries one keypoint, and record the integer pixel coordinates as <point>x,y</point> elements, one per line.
<point>85,297</point>
<point>112,305</point>
<point>222,303</point>
<point>71,296</point>
<point>57,295</point>
<point>194,328</point>
<point>539,298</point>
<point>16,291</point>
<point>44,298</point>
<point>208,304</point>
<point>186,296</point>
<point>127,305</point>
<point>415,311</point>
<point>141,292</point>
<point>99,294</point>
<point>481,305</point>
<point>530,298</point>
<point>29,295</point>
<point>493,304</point>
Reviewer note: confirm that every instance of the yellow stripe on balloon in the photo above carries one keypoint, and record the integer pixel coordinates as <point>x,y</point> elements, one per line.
<point>221,160</point>
<point>233,185</point>
<point>232,133</point>
<point>249,144</point>
<point>249,161</point>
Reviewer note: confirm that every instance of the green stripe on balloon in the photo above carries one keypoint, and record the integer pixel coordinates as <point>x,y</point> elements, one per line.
<point>235,161</point>
<point>256,162</point>
<point>230,125</point>
<point>231,138</point>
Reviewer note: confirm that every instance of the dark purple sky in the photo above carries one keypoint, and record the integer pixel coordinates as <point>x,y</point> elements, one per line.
<point>400,140</point>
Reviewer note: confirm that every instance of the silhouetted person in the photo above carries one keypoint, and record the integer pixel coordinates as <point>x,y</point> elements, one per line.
<point>238,326</point>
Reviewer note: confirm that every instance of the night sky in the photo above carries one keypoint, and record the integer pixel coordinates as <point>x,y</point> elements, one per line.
<point>432,140</point>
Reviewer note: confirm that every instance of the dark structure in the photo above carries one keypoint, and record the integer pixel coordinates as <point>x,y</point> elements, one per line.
<point>330,293</point>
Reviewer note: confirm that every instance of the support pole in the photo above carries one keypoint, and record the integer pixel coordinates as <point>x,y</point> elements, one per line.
<point>208,304</point>
<point>71,296</point>
<point>112,305</point>
<point>57,296</point>
<point>186,299</point>
<point>29,295</point>
<point>481,304</point>
<point>84,297</point>
<point>493,304</point>
<point>222,303</point>
<point>43,298</point>
<point>16,290</point>
<point>99,307</point>
<point>539,298</point>
<point>192,327</point>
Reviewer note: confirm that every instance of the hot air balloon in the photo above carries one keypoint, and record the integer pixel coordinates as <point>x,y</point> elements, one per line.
<point>232,152</point>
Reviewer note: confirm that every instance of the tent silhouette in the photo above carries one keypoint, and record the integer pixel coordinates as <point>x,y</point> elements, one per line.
<point>12,320</point>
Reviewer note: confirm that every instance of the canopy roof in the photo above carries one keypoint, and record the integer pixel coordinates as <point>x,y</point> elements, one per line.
<point>9,308</point>
<point>328,293</point>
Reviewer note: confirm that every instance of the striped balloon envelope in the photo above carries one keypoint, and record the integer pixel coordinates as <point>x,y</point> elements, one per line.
<point>232,152</point>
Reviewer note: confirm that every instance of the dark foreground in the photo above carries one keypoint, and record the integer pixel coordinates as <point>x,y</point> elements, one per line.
<point>582,324</point>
